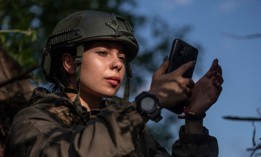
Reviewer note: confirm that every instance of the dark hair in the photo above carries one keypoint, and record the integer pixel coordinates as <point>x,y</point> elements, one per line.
<point>58,69</point>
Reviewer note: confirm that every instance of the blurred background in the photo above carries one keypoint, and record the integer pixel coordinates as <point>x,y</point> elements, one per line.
<point>229,30</point>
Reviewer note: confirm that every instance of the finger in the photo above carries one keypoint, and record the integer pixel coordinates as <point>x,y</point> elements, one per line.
<point>215,67</point>
<point>191,84</point>
<point>163,67</point>
<point>209,72</point>
<point>217,77</point>
<point>217,85</point>
<point>188,92</point>
<point>185,67</point>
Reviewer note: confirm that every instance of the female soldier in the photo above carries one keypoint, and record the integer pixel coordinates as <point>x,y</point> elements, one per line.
<point>86,57</point>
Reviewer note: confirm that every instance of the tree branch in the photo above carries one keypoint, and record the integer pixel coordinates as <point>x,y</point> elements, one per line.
<point>242,118</point>
<point>249,36</point>
<point>21,76</point>
<point>28,32</point>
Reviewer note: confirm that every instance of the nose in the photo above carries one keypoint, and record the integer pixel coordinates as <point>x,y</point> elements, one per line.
<point>116,63</point>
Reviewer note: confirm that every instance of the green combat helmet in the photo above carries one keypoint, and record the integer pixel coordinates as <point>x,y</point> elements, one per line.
<point>84,26</point>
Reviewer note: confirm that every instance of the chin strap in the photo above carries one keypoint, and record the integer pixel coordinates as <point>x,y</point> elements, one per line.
<point>127,83</point>
<point>78,62</point>
<point>77,103</point>
<point>125,98</point>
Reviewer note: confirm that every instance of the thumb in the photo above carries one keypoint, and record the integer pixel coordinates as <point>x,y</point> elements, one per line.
<point>163,67</point>
<point>212,67</point>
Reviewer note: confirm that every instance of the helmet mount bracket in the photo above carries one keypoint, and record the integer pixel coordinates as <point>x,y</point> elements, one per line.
<point>114,25</point>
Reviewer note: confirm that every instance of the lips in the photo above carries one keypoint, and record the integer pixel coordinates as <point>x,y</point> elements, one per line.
<point>113,80</point>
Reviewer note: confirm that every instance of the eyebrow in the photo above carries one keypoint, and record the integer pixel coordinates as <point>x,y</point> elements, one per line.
<point>110,45</point>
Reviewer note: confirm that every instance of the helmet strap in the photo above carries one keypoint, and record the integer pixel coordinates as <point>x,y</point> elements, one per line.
<point>127,83</point>
<point>78,62</point>
<point>77,103</point>
<point>78,58</point>
<point>62,88</point>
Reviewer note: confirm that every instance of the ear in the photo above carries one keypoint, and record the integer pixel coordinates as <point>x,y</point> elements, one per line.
<point>68,63</point>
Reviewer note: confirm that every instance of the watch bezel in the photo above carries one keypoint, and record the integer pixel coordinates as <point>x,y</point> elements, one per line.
<point>153,114</point>
<point>144,108</point>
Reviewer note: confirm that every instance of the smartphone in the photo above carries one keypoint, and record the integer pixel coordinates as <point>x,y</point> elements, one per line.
<point>181,53</point>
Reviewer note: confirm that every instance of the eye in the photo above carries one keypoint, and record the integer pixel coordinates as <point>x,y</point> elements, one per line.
<point>102,53</point>
<point>122,57</point>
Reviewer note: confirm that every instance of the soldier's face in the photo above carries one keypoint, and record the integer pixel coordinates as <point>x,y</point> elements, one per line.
<point>102,69</point>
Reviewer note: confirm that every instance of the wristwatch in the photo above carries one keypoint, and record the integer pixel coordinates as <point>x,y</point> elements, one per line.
<point>148,105</point>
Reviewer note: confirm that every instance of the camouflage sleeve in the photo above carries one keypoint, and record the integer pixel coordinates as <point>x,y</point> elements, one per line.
<point>195,145</point>
<point>149,146</point>
<point>37,134</point>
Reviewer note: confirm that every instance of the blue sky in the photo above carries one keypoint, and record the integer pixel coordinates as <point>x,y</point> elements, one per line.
<point>240,59</point>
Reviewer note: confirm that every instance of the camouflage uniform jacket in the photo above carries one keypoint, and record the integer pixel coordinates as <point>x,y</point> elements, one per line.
<point>53,127</point>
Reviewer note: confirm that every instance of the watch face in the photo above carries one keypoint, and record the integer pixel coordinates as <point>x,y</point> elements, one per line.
<point>147,104</point>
